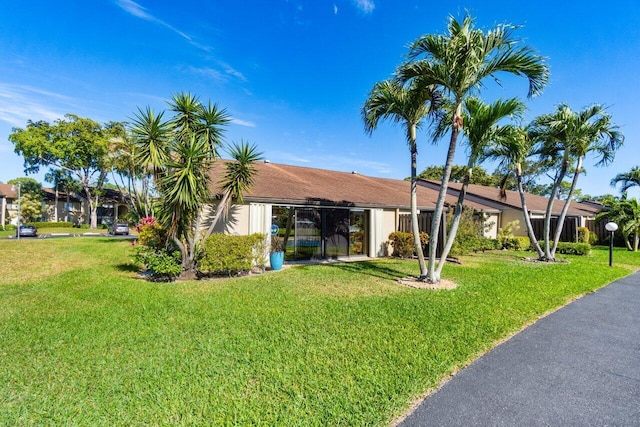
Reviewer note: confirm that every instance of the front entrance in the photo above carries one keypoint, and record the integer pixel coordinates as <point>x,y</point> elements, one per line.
<point>317,233</point>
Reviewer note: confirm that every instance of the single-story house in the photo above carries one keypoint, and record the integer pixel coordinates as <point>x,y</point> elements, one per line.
<point>580,214</point>
<point>325,214</point>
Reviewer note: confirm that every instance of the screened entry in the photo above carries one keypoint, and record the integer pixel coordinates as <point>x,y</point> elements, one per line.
<point>316,233</point>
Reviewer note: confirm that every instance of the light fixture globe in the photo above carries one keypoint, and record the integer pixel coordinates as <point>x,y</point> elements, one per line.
<point>611,226</point>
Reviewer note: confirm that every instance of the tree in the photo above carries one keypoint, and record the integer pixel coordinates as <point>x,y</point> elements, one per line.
<point>512,149</point>
<point>28,186</point>
<point>626,213</point>
<point>30,208</point>
<point>408,105</point>
<point>74,144</point>
<point>482,128</point>
<point>178,154</point>
<point>458,172</point>
<point>458,62</point>
<point>627,179</point>
<point>570,136</point>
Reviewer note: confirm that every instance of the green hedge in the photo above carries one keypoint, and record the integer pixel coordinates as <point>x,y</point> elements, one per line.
<point>223,254</point>
<point>47,224</point>
<point>403,244</point>
<point>567,248</point>
<point>516,243</point>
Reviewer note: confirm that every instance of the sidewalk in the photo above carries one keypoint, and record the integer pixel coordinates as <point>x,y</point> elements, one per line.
<point>579,366</point>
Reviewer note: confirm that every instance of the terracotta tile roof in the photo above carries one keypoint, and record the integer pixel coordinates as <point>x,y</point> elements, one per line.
<point>7,191</point>
<point>535,203</point>
<point>278,183</point>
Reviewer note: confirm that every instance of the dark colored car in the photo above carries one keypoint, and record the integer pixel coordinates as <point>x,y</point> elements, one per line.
<point>27,231</point>
<point>115,229</point>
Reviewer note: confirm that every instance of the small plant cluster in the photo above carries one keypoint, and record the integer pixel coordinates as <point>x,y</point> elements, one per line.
<point>510,242</point>
<point>586,236</point>
<point>223,254</point>
<point>403,244</point>
<point>155,253</point>
<point>469,237</point>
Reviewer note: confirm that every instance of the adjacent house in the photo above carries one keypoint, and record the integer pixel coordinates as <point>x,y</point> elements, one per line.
<point>326,214</point>
<point>580,214</point>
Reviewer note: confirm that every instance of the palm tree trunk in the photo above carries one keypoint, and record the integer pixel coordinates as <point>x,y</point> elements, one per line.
<point>221,208</point>
<point>457,215</point>
<point>565,208</point>
<point>432,276</point>
<point>55,204</point>
<point>414,206</point>
<point>525,214</point>
<point>547,217</point>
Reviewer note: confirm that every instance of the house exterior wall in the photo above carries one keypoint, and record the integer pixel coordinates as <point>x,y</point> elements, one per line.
<point>509,215</point>
<point>492,222</point>
<point>71,212</point>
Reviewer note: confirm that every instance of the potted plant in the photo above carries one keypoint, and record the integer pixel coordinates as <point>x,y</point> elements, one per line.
<point>276,259</point>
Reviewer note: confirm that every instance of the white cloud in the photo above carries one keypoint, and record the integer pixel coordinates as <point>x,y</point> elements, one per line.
<point>244,123</point>
<point>366,6</point>
<point>217,75</point>
<point>19,103</point>
<point>138,11</point>
<point>335,9</point>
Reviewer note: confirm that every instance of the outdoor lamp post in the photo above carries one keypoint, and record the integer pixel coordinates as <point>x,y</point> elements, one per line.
<point>611,227</point>
<point>13,188</point>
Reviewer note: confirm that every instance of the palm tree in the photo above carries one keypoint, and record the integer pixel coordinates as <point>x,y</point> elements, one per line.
<point>458,63</point>
<point>570,136</point>
<point>628,179</point>
<point>239,177</point>
<point>409,106</point>
<point>626,213</point>
<point>512,149</point>
<point>480,130</point>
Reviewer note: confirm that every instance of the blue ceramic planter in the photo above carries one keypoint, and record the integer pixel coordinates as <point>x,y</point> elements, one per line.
<point>276,259</point>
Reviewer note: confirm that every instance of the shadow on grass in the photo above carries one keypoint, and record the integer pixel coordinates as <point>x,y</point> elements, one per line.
<point>127,268</point>
<point>369,268</point>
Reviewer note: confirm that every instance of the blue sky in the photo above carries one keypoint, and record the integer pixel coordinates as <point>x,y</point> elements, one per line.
<point>294,73</point>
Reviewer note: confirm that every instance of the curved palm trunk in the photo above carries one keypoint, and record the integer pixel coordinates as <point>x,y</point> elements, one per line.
<point>565,208</point>
<point>457,215</point>
<point>525,214</point>
<point>547,217</point>
<point>222,206</point>
<point>432,275</point>
<point>414,206</point>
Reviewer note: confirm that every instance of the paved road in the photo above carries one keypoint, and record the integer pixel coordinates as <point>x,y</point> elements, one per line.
<point>579,366</point>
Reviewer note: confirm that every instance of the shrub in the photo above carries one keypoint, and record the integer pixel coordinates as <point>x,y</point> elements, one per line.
<point>469,237</point>
<point>159,264</point>
<point>568,248</point>
<point>584,235</point>
<point>593,239</point>
<point>223,254</point>
<point>506,236</point>
<point>47,224</point>
<point>403,244</point>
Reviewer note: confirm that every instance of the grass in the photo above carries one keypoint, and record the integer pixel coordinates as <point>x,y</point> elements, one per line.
<point>83,341</point>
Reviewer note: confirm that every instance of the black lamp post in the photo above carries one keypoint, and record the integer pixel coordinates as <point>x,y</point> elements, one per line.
<point>611,227</point>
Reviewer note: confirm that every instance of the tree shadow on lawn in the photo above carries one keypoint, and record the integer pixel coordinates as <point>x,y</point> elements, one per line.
<point>127,268</point>
<point>369,268</point>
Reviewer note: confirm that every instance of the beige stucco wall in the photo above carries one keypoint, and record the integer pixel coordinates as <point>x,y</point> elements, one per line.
<point>492,222</point>
<point>509,215</point>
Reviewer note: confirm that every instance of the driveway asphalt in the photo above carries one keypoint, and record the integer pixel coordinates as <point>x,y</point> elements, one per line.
<point>579,366</point>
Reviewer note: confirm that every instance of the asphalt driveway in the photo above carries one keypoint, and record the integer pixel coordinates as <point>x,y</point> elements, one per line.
<point>579,366</point>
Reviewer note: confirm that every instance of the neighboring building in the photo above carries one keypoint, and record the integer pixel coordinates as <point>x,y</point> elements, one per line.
<point>8,203</point>
<point>69,207</point>
<point>510,208</point>
<point>325,214</point>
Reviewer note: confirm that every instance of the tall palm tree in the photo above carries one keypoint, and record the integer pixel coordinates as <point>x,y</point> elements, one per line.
<point>482,128</point>
<point>571,135</point>
<point>627,179</point>
<point>512,149</point>
<point>458,62</point>
<point>407,105</point>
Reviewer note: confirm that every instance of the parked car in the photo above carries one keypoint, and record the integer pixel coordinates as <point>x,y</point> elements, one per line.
<point>115,229</point>
<point>27,231</point>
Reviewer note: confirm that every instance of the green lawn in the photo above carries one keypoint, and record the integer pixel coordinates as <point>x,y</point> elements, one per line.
<point>85,342</point>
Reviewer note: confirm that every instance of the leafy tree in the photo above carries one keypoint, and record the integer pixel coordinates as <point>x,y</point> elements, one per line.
<point>408,105</point>
<point>458,172</point>
<point>458,62</point>
<point>482,129</point>
<point>28,186</point>
<point>570,136</point>
<point>74,144</point>
<point>627,179</point>
<point>30,208</point>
